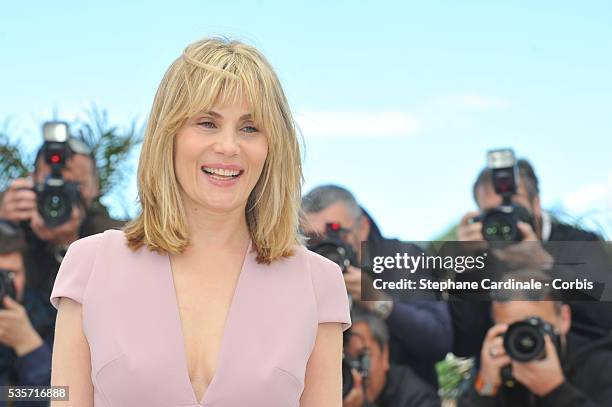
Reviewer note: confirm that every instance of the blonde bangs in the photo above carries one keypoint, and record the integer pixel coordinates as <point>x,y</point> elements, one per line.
<point>209,73</point>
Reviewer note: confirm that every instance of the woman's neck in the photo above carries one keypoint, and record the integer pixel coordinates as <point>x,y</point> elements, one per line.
<point>212,229</point>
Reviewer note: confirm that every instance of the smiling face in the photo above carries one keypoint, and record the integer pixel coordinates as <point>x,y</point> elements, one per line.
<point>219,156</point>
<point>202,153</point>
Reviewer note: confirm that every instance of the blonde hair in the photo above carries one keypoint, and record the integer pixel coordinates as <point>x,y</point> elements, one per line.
<point>217,72</point>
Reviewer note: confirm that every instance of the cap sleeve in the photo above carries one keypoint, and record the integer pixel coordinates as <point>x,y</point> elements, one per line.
<point>330,291</point>
<point>75,270</point>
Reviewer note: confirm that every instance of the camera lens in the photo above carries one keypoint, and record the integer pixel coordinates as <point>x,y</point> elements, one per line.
<point>524,342</point>
<point>499,230</point>
<point>498,226</point>
<point>55,206</point>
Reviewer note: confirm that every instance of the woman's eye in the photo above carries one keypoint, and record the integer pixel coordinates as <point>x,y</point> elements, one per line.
<point>249,129</point>
<point>207,124</point>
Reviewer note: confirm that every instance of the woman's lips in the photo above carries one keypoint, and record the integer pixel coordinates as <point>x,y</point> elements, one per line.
<point>222,176</point>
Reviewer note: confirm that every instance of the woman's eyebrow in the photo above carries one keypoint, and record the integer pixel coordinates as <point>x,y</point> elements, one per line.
<point>247,116</point>
<point>213,114</point>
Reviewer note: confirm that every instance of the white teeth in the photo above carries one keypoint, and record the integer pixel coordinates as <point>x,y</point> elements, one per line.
<point>222,171</point>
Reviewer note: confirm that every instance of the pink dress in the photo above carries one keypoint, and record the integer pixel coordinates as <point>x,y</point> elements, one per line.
<point>132,324</point>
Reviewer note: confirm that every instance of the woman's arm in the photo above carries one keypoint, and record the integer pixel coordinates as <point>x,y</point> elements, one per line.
<point>71,364</point>
<point>323,381</point>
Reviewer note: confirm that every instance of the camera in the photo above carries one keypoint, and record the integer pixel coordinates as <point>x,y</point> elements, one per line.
<point>55,196</point>
<point>7,285</point>
<point>333,247</point>
<point>524,340</point>
<point>500,224</point>
<point>361,364</point>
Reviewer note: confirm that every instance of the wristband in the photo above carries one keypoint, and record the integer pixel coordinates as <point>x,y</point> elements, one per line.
<point>484,388</point>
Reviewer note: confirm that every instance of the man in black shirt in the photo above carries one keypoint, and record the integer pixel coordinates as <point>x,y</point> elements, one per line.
<point>386,384</point>
<point>576,372</point>
<point>25,349</point>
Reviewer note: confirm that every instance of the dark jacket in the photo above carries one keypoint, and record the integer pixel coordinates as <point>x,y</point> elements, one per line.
<point>405,389</point>
<point>420,331</point>
<point>587,367</point>
<point>471,320</point>
<point>420,336</point>
<point>588,318</point>
<point>34,368</point>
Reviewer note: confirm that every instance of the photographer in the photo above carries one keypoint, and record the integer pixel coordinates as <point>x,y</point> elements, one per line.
<point>420,331</point>
<point>386,384</point>
<point>536,237</point>
<point>65,175</point>
<point>526,361</point>
<point>25,358</point>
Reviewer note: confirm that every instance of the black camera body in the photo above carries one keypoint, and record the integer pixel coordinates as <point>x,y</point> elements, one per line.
<point>56,197</point>
<point>524,340</point>
<point>7,285</point>
<point>500,224</point>
<point>333,247</point>
<point>361,364</point>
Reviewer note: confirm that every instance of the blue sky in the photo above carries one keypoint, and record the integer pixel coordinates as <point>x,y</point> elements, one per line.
<point>398,101</point>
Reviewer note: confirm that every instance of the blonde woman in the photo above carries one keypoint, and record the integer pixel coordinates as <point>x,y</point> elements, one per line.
<point>208,298</point>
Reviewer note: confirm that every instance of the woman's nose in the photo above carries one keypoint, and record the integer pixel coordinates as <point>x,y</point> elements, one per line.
<point>227,143</point>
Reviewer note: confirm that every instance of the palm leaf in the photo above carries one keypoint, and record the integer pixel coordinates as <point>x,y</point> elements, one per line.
<point>12,164</point>
<point>111,146</point>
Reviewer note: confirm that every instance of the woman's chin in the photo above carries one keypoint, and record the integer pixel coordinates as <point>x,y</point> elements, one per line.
<point>219,204</point>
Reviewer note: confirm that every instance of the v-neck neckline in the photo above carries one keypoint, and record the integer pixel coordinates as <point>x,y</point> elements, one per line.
<point>226,327</point>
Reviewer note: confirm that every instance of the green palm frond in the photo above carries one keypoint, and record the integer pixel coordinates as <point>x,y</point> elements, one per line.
<point>12,164</point>
<point>111,146</point>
